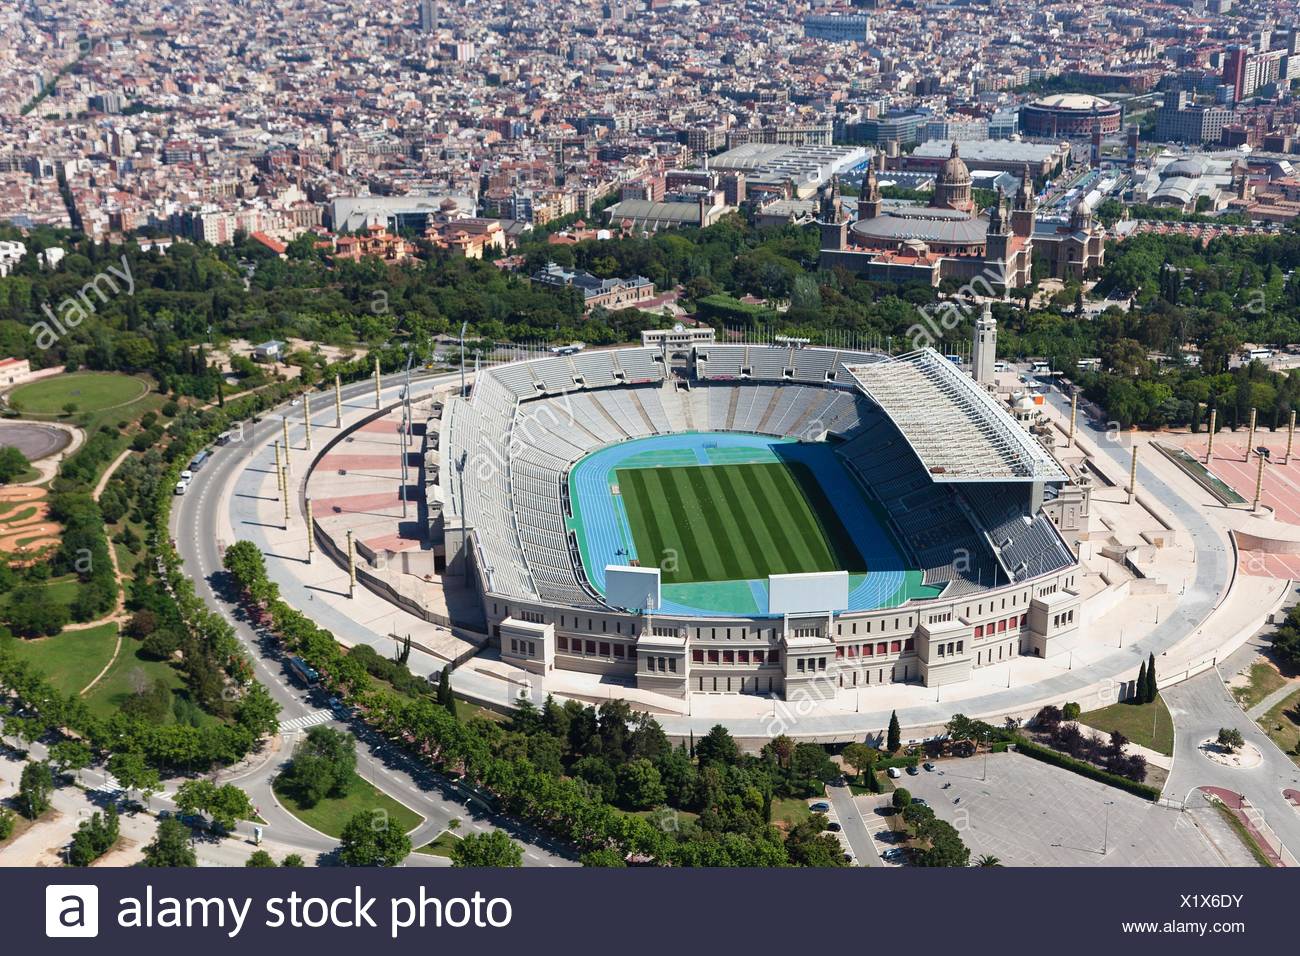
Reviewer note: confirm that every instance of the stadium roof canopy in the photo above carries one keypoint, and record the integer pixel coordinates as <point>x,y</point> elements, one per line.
<point>958,430</point>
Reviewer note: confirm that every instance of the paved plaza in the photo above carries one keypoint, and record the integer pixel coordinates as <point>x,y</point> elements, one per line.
<point>1028,813</point>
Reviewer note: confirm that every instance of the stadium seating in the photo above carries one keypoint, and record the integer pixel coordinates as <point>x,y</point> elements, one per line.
<point>506,451</point>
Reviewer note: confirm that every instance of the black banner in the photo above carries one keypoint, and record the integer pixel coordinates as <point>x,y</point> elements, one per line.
<point>667,912</point>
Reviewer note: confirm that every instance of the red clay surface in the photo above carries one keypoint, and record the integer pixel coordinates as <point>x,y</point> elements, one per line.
<point>1280,492</point>
<point>34,531</point>
<point>384,425</point>
<point>391,542</point>
<point>355,504</point>
<point>333,461</point>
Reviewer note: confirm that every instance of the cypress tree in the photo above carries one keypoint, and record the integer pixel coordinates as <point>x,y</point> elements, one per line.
<point>1140,688</point>
<point>445,697</point>
<point>895,733</point>
<point>1151,678</point>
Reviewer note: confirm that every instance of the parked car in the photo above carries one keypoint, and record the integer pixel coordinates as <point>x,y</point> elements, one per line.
<point>912,771</point>
<point>928,766</point>
<point>895,772</point>
<point>834,827</point>
<point>920,801</point>
<point>820,807</point>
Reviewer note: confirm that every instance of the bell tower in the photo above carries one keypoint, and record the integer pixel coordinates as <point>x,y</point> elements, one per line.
<point>985,348</point>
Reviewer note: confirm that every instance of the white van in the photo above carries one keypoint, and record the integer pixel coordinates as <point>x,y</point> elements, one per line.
<point>895,772</point>
<point>181,486</point>
<point>186,475</point>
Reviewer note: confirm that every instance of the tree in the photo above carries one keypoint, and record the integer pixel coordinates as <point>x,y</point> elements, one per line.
<point>293,861</point>
<point>606,857</point>
<point>902,799</point>
<point>860,757</point>
<point>70,755</point>
<point>170,846</point>
<point>372,838</point>
<point>946,846</point>
<point>494,848</point>
<point>132,772</point>
<point>1231,739</point>
<point>718,746</point>
<point>1140,685</point>
<point>35,788</point>
<point>895,734</point>
<point>323,766</point>
<point>226,804</point>
<point>260,859</point>
<point>94,837</point>
<point>987,859</point>
<point>7,822</point>
<point>258,711</point>
<point>808,845</point>
<point>639,786</point>
<point>13,464</point>
<point>445,697</point>
<point>1151,689</point>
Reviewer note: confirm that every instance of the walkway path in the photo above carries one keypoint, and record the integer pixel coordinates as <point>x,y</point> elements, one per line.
<point>1279,695</point>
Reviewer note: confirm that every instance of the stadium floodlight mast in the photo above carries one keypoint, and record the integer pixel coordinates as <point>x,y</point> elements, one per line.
<point>463,327</point>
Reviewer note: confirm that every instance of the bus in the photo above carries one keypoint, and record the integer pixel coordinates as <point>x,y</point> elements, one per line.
<point>200,460</point>
<point>303,671</point>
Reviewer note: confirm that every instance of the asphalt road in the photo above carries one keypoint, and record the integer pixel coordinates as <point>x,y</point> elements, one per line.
<point>1201,706</point>
<point>194,524</point>
<point>855,828</point>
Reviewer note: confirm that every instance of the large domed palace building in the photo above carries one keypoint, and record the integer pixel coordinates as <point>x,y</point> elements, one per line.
<point>950,238</point>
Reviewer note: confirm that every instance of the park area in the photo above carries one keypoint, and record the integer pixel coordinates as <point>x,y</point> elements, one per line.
<point>77,392</point>
<point>69,661</point>
<point>331,814</point>
<point>1147,725</point>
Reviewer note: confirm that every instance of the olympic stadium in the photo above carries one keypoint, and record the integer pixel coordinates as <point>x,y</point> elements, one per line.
<point>728,467</point>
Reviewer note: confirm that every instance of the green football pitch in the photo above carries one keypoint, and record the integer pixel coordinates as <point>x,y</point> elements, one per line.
<point>734,522</point>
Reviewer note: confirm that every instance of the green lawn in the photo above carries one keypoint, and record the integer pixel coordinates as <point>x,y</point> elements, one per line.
<point>790,810</point>
<point>1282,724</point>
<point>129,673</point>
<point>69,660</point>
<point>1135,721</point>
<point>61,590</point>
<point>332,814</point>
<point>89,391</point>
<point>734,522</point>
<point>1264,679</point>
<point>466,709</point>
<point>441,846</point>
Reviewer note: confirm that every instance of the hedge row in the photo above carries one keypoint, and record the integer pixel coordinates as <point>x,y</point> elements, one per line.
<point>1084,769</point>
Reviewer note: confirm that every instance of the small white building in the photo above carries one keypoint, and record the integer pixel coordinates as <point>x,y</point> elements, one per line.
<point>14,371</point>
<point>10,254</point>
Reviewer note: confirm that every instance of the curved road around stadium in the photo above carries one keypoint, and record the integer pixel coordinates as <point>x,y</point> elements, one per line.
<point>194,524</point>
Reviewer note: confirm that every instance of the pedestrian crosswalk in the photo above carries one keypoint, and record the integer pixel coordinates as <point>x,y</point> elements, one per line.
<point>305,721</point>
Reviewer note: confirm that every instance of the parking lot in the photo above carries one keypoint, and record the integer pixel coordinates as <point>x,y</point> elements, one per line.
<point>827,808</point>
<point>1028,813</point>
